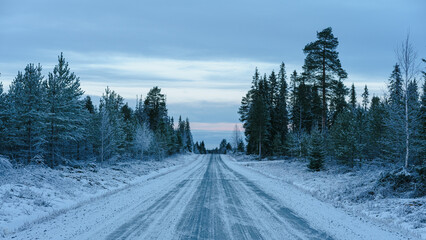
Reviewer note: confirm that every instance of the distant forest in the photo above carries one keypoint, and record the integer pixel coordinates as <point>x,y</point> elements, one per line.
<point>313,115</point>
<point>47,120</point>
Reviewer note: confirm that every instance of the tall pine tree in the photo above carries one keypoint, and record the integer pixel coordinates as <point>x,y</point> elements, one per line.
<point>322,62</point>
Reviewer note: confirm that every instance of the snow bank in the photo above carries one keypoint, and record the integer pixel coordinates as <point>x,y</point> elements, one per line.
<point>355,190</point>
<point>36,192</point>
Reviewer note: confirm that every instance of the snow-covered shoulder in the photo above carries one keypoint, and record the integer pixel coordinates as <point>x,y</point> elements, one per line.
<point>34,193</point>
<point>340,223</point>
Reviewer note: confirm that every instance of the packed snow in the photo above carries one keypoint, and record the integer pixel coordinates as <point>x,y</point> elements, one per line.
<point>35,193</point>
<point>354,190</point>
<point>205,197</point>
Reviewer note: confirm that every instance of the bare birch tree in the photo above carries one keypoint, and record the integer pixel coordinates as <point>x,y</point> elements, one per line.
<point>407,58</point>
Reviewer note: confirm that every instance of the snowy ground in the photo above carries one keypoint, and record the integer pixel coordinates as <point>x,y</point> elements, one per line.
<point>354,191</point>
<point>212,197</point>
<point>35,193</point>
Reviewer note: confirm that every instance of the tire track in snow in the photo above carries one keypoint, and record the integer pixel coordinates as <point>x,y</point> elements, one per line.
<point>202,217</point>
<point>271,205</point>
<point>139,223</point>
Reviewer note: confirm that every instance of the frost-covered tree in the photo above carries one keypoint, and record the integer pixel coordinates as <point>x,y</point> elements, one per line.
<point>376,128</point>
<point>143,139</point>
<point>344,138</point>
<point>106,136</point>
<point>236,139</point>
<point>3,119</point>
<point>129,126</point>
<point>65,120</point>
<point>27,114</point>
<point>407,58</point>
<point>394,142</point>
<point>423,122</point>
<point>337,100</point>
<point>255,115</point>
<point>110,111</point>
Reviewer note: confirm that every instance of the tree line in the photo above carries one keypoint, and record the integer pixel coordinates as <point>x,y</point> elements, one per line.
<point>316,116</point>
<point>48,119</point>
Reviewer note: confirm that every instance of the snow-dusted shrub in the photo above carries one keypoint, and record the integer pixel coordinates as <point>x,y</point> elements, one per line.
<point>42,202</point>
<point>403,182</point>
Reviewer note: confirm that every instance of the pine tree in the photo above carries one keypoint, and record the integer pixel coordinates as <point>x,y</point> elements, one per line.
<point>322,62</point>
<point>129,126</point>
<point>65,120</point>
<point>155,109</point>
<point>110,110</point>
<point>106,136</point>
<point>92,129</point>
<point>27,114</point>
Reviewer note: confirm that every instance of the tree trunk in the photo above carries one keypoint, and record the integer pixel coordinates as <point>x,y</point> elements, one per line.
<point>324,102</point>
<point>260,145</point>
<point>407,132</point>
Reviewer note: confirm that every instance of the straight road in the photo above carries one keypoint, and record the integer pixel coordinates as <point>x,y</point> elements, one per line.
<point>213,197</point>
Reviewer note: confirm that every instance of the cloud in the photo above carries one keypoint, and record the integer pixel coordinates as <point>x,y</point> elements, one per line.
<point>219,126</point>
<point>181,80</point>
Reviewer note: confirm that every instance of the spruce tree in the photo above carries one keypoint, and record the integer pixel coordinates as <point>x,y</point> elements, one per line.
<point>344,138</point>
<point>375,128</point>
<point>394,142</point>
<point>365,99</point>
<point>280,116</point>
<point>352,97</point>
<point>423,123</point>
<point>88,104</point>
<point>129,126</point>
<point>322,62</point>
<point>3,119</point>
<point>337,101</point>
<point>316,151</point>
<point>189,142</point>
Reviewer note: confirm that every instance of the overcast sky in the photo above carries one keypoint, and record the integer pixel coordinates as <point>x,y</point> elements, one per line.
<point>202,53</point>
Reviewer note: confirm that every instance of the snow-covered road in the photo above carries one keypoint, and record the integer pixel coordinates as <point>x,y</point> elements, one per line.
<point>213,197</point>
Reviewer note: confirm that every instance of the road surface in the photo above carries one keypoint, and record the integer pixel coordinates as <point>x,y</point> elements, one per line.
<point>212,197</point>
